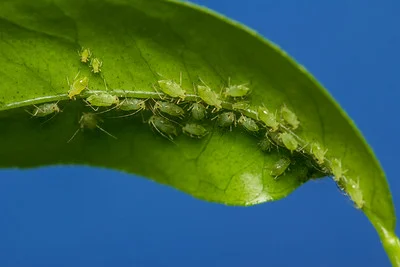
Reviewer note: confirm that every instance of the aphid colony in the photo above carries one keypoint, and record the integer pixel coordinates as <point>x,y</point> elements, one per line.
<point>171,114</point>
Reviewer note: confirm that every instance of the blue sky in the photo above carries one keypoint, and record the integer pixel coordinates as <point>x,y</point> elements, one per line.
<point>91,217</point>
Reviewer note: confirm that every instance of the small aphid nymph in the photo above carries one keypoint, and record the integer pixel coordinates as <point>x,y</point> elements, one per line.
<point>169,108</point>
<point>280,167</point>
<point>198,111</point>
<point>96,64</point>
<point>337,170</point>
<point>236,90</point>
<point>248,123</point>
<point>289,141</point>
<point>163,126</point>
<point>90,121</point>
<point>85,55</point>
<point>318,152</point>
<point>226,119</point>
<point>265,144</point>
<point>78,86</point>
<point>268,118</point>
<point>44,110</point>
<point>194,130</point>
<point>102,100</point>
<point>289,117</point>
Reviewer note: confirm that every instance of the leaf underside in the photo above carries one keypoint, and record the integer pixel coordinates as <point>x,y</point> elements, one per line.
<point>140,43</point>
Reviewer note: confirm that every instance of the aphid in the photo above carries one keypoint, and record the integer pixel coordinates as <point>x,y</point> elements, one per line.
<point>265,144</point>
<point>318,152</point>
<point>280,167</point>
<point>337,170</point>
<point>248,123</point>
<point>163,126</point>
<point>289,141</point>
<point>172,89</point>
<point>169,108</point>
<point>96,64</point>
<point>240,105</point>
<point>355,193</point>
<point>226,119</point>
<point>90,121</point>
<point>132,104</point>
<point>198,111</point>
<point>209,96</point>
<point>77,86</point>
<point>268,118</point>
<point>102,100</point>
<point>236,90</point>
<point>289,117</point>
<point>44,110</point>
<point>85,55</point>
<point>194,130</point>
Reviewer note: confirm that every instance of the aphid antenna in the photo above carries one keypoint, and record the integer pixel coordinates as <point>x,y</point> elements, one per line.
<point>46,121</point>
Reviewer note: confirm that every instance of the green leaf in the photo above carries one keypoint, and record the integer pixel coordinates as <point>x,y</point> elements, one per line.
<point>141,42</point>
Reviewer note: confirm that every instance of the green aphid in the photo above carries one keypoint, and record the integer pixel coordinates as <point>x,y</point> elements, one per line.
<point>280,167</point>
<point>169,108</point>
<point>248,123</point>
<point>102,100</point>
<point>198,111</point>
<point>289,117</point>
<point>78,86</point>
<point>268,118</point>
<point>85,55</point>
<point>90,121</point>
<point>210,97</point>
<point>172,89</point>
<point>96,64</point>
<point>194,130</point>
<point>355,193</point>
<point>240,105</point>
<point>289,141</point>
<point>44,110</point>
<point>226,119</point>
<point>318,152</point>
<point>236,90</point>
<point>337,170</point>
<point>265,144</point>
<point>132,104</point>
<point>163,126</point>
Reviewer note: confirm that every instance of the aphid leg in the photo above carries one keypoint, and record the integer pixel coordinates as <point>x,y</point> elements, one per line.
<point>46,121</point>
<point>104,131</point>
<point>89,105</point>
<point>73,136</point>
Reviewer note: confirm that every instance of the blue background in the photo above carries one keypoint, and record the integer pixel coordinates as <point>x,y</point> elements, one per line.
<point>93,217</point>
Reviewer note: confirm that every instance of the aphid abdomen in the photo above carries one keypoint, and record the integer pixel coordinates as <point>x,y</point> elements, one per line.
<point>280,167</point>
<point>169,108</point>
<point>265,144</point>
<point>289,141</point>
<point>102,100</point>
<point>248,123</point>
<point>78,86</point>
<point>290,117</point>
<point>85,55</point>
<point>172,89</point>
<point>268,118</point>
<point>226,119</point>
<point>209,96</point>
<point>198,111</point>
<point>163,126</point>
<point>96,64</point>
<point>318,152</point>
<point>237,91</point>
<point>132,104</point>
<point>194,130</point>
